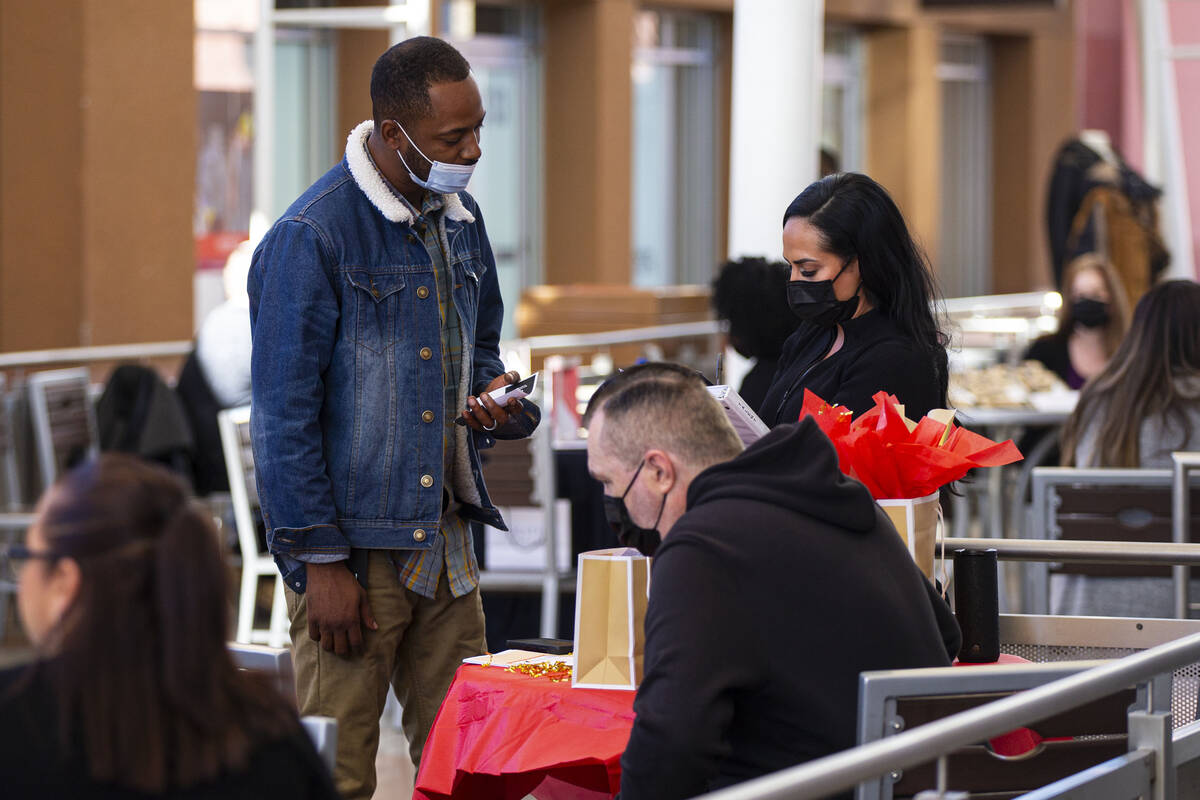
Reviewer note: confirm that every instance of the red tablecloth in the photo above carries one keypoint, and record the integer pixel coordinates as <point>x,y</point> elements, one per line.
<point>501,735</point>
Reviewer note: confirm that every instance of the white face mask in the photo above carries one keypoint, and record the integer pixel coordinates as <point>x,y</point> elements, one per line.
<point>443,178</point>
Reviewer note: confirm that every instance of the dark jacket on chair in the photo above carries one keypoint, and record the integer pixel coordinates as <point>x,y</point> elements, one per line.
<point>139,414</point>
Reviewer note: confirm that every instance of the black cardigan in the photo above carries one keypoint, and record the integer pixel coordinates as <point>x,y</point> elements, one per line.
<point>874,357</point>
<point>34,765</point>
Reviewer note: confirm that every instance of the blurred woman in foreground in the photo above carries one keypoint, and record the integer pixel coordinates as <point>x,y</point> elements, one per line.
<point>121,588</point>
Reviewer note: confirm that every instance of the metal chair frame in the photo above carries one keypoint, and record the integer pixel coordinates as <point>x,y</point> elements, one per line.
<point>41,384</point>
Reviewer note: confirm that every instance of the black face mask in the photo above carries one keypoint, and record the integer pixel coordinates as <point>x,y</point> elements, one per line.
<point>1090,313</point>
<point>628,532</point>
<point>816,302</point>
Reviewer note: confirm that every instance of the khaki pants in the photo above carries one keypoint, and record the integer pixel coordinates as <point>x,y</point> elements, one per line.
<point>419,645</point>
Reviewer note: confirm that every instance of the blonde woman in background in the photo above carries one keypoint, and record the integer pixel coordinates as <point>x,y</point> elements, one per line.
<point>1093,319</point>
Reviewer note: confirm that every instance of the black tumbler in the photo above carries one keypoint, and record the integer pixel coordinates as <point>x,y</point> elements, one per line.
<point>977,605</point>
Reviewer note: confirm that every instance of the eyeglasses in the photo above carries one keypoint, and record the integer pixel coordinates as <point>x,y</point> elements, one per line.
<point>15,556</point>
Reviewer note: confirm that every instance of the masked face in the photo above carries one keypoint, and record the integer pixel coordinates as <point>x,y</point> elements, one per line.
<point>815,301</point>
<point>1090,313</point>
<point>628,532</point>
<point>825,287</point>
<point>443,178</point>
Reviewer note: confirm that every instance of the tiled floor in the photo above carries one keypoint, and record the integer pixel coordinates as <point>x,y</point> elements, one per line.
<point>393,767</point>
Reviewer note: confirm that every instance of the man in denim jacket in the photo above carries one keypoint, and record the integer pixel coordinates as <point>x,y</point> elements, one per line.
<point>376,319</point>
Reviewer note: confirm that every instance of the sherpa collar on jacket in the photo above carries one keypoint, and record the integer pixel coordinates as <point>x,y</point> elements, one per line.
<point>377,189</point>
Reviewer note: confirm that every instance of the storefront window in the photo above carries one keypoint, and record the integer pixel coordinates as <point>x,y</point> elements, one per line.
<point>224,191</point>
<point>841,102</point>
<point>501,42</point>
<point>965,252</point>
<point>674,149</point>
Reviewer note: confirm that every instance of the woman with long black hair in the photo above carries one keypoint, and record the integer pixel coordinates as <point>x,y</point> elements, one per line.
<point>866,295</point>
<point>121,588</point>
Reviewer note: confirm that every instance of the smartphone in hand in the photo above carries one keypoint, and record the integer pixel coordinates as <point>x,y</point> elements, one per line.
<point>513,391</point>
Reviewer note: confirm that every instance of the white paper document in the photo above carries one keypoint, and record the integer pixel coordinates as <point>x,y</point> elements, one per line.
<point>511,658</point>
<point>745,422</point>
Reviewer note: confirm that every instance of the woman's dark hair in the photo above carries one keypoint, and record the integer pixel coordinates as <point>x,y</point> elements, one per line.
<point>752,294</point>
<point>857,218</point>
<point>1138,383</point>
<point>138,662</point>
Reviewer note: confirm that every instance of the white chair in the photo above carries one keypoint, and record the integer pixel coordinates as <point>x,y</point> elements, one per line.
<point>234,425</point>
<point>277,662</point>
<point>273,661</point>
<point>64,420</point>
<point>323,732</point>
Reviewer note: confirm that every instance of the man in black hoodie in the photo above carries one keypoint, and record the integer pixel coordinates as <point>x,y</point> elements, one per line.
<point>777,582</point>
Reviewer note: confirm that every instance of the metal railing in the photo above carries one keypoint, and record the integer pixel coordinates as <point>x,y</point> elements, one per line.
<point>1149,735</point>
<point>1079,551</point>
<point>1183,465</point>
<point>1047,481</point>
<point>85,355</point>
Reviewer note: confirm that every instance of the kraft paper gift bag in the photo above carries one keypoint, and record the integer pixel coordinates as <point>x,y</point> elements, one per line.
<point>916,520</point>
<point>610,618</point>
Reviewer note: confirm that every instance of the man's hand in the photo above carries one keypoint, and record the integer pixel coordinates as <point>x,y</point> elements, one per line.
<point>336,605</point>
<point>485,414</point>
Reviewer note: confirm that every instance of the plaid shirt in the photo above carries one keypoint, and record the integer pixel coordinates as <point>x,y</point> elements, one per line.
<point>452,549</point>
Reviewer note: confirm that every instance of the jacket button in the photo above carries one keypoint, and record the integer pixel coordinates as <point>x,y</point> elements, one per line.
<point>427,416</point>
<point>427,481</point>
<point>375,292</point>
<point>419,535</point>
<point>426,353</point>
<point>422,292</point>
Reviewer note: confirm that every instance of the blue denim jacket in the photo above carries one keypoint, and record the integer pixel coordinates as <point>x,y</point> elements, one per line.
<point>346,419</point>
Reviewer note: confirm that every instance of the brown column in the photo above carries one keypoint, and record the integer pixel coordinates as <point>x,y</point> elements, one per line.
<point>41,141</point>
<point>589,148</point>
<point>97,157</point>
<point>357,52</point>
<point>139,164</point>
<point>1033,110</point>
<point>904,124</point>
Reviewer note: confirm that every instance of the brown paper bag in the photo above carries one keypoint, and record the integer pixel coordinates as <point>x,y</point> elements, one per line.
<point>916,520</point>
<point>610,618</point>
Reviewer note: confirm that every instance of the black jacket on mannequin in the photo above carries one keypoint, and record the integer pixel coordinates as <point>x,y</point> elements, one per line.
<point>1075,173</point>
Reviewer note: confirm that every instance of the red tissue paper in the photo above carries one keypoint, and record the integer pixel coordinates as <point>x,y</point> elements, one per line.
<point>895,457</point>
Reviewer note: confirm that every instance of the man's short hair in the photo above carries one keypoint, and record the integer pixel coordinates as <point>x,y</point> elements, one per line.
<point>666,407</point>
<point>402,76</point>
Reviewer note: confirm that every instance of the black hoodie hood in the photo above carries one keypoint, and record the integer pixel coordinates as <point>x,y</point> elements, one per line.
<point>794,467</point>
